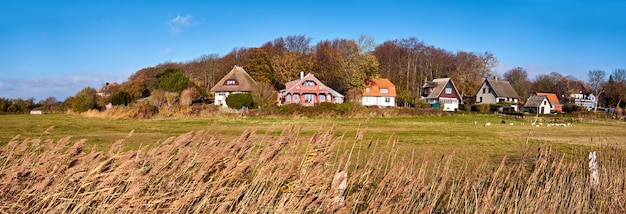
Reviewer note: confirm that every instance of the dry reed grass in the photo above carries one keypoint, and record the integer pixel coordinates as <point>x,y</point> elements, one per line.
<point>199,172</point>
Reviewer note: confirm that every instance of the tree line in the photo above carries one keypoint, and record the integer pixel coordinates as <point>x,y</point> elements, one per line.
<point>344,65</point>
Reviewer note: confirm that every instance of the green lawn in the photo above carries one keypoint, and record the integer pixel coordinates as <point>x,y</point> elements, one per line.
<point>435,135</point>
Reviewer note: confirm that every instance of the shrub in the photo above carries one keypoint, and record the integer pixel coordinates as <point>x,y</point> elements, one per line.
<point>482,108</point>
<point>237,101</point>
<point>121,98</point>
<point>189,95</point>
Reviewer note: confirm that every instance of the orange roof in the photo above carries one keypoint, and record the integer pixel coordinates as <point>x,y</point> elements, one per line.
<point>552,98</point>
<point>377,84</point>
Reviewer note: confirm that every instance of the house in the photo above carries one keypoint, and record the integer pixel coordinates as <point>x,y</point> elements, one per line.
<point>537,104</point>
<point>236,81</point>
<point>379,92</point>
<point>442,91</point>
<point>585,100</point>
<point>494,91</point>
<point>308,90</point>
<point>105,91</point>
<point>554,101</point>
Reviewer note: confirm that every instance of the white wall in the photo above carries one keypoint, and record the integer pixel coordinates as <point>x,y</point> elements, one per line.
<point>220,98</point>
<point>487,96</point>
<point>377,101</point>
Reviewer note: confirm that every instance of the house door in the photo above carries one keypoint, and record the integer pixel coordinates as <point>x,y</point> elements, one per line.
<point>542,110</point>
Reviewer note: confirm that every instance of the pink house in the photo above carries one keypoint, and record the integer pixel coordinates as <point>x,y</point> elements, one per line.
<point>308,90</point>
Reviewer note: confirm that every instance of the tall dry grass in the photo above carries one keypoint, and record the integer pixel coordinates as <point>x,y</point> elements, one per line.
<point>199,172</point>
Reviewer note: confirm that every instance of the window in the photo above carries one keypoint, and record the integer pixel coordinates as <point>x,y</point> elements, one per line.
<point>481,99</point>
<point>295,97</point>
<point>308,83</point>
<point>484,90</point>
<point>337,99</point>
<point>387,99</point>
<point>384,91</point>
<point>231,82</point>
<point>448,91</point>
<point>308,97</point>
<point>367,89</point>
<point>288,97</point>
<point>322,97</point>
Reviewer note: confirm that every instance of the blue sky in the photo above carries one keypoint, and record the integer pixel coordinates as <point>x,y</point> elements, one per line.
<point>56,48</point>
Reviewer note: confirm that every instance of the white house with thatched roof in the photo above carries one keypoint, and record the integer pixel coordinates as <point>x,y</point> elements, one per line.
<point>538,104</point>
<point>494,91</point>
<point>236,81</point>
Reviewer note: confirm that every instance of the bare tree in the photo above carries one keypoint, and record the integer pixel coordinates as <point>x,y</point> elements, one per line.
<point>518,77</point>
<point>596,80</point>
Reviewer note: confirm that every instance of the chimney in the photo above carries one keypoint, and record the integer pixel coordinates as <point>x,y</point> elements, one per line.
<point>495,78</point>
<point>301,74</point>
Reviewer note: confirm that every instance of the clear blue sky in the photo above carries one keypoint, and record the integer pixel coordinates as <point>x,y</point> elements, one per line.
<point>56,48</point>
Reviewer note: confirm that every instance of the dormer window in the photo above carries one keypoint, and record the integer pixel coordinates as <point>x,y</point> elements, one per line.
<point>367,89</point>
<point>384,91</point>
<point>308,83</point>
<point>231,82</point>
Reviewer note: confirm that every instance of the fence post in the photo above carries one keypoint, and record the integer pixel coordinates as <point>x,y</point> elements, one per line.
<point>593,170</point>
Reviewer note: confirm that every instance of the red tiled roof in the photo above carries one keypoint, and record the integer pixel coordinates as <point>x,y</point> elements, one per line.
<point>377,84</point>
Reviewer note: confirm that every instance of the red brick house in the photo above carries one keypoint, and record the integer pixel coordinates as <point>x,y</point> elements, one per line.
<point>308,90</point>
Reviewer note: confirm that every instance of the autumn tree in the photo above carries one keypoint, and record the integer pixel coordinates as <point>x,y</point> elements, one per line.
<point>259,65</point>
<point>518,78</point>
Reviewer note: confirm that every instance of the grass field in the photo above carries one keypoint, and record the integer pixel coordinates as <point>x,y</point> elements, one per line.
<point>429,164</point>
<point>429,133</point>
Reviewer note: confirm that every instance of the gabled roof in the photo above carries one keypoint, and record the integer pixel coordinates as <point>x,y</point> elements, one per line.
<point>438,86</point>
<point>292,85</point>
<point>501,88</point>
<point>552,98</point>
<point>377,84</point>
<point>534,101</point>
<point>244,81</point>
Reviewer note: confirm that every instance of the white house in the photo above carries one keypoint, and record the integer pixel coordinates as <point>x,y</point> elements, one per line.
<point>236,81</point>
<point>494,91</point>
<point>587,100</point>
<point>379,92</point>
<point>536,104</point>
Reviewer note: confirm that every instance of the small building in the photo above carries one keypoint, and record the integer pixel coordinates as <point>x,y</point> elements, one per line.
<point>494,91</point>
<point>236,81</point>
<point>554,101</point>
<point>442,92</point>
<point>36,112</point>
<point>379,92</point>
<point>308,91</point>
<point>537,104</point>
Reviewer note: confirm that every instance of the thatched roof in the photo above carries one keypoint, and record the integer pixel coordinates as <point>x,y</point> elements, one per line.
<point>438,86</point>
<point>502,88</point>
<point>243,80</point>
<point>534,101</point>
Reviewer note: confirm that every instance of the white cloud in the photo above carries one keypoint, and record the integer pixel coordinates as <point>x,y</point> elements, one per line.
<point>167,51</point>
<point>42,88</point>
<point>176,24</point>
